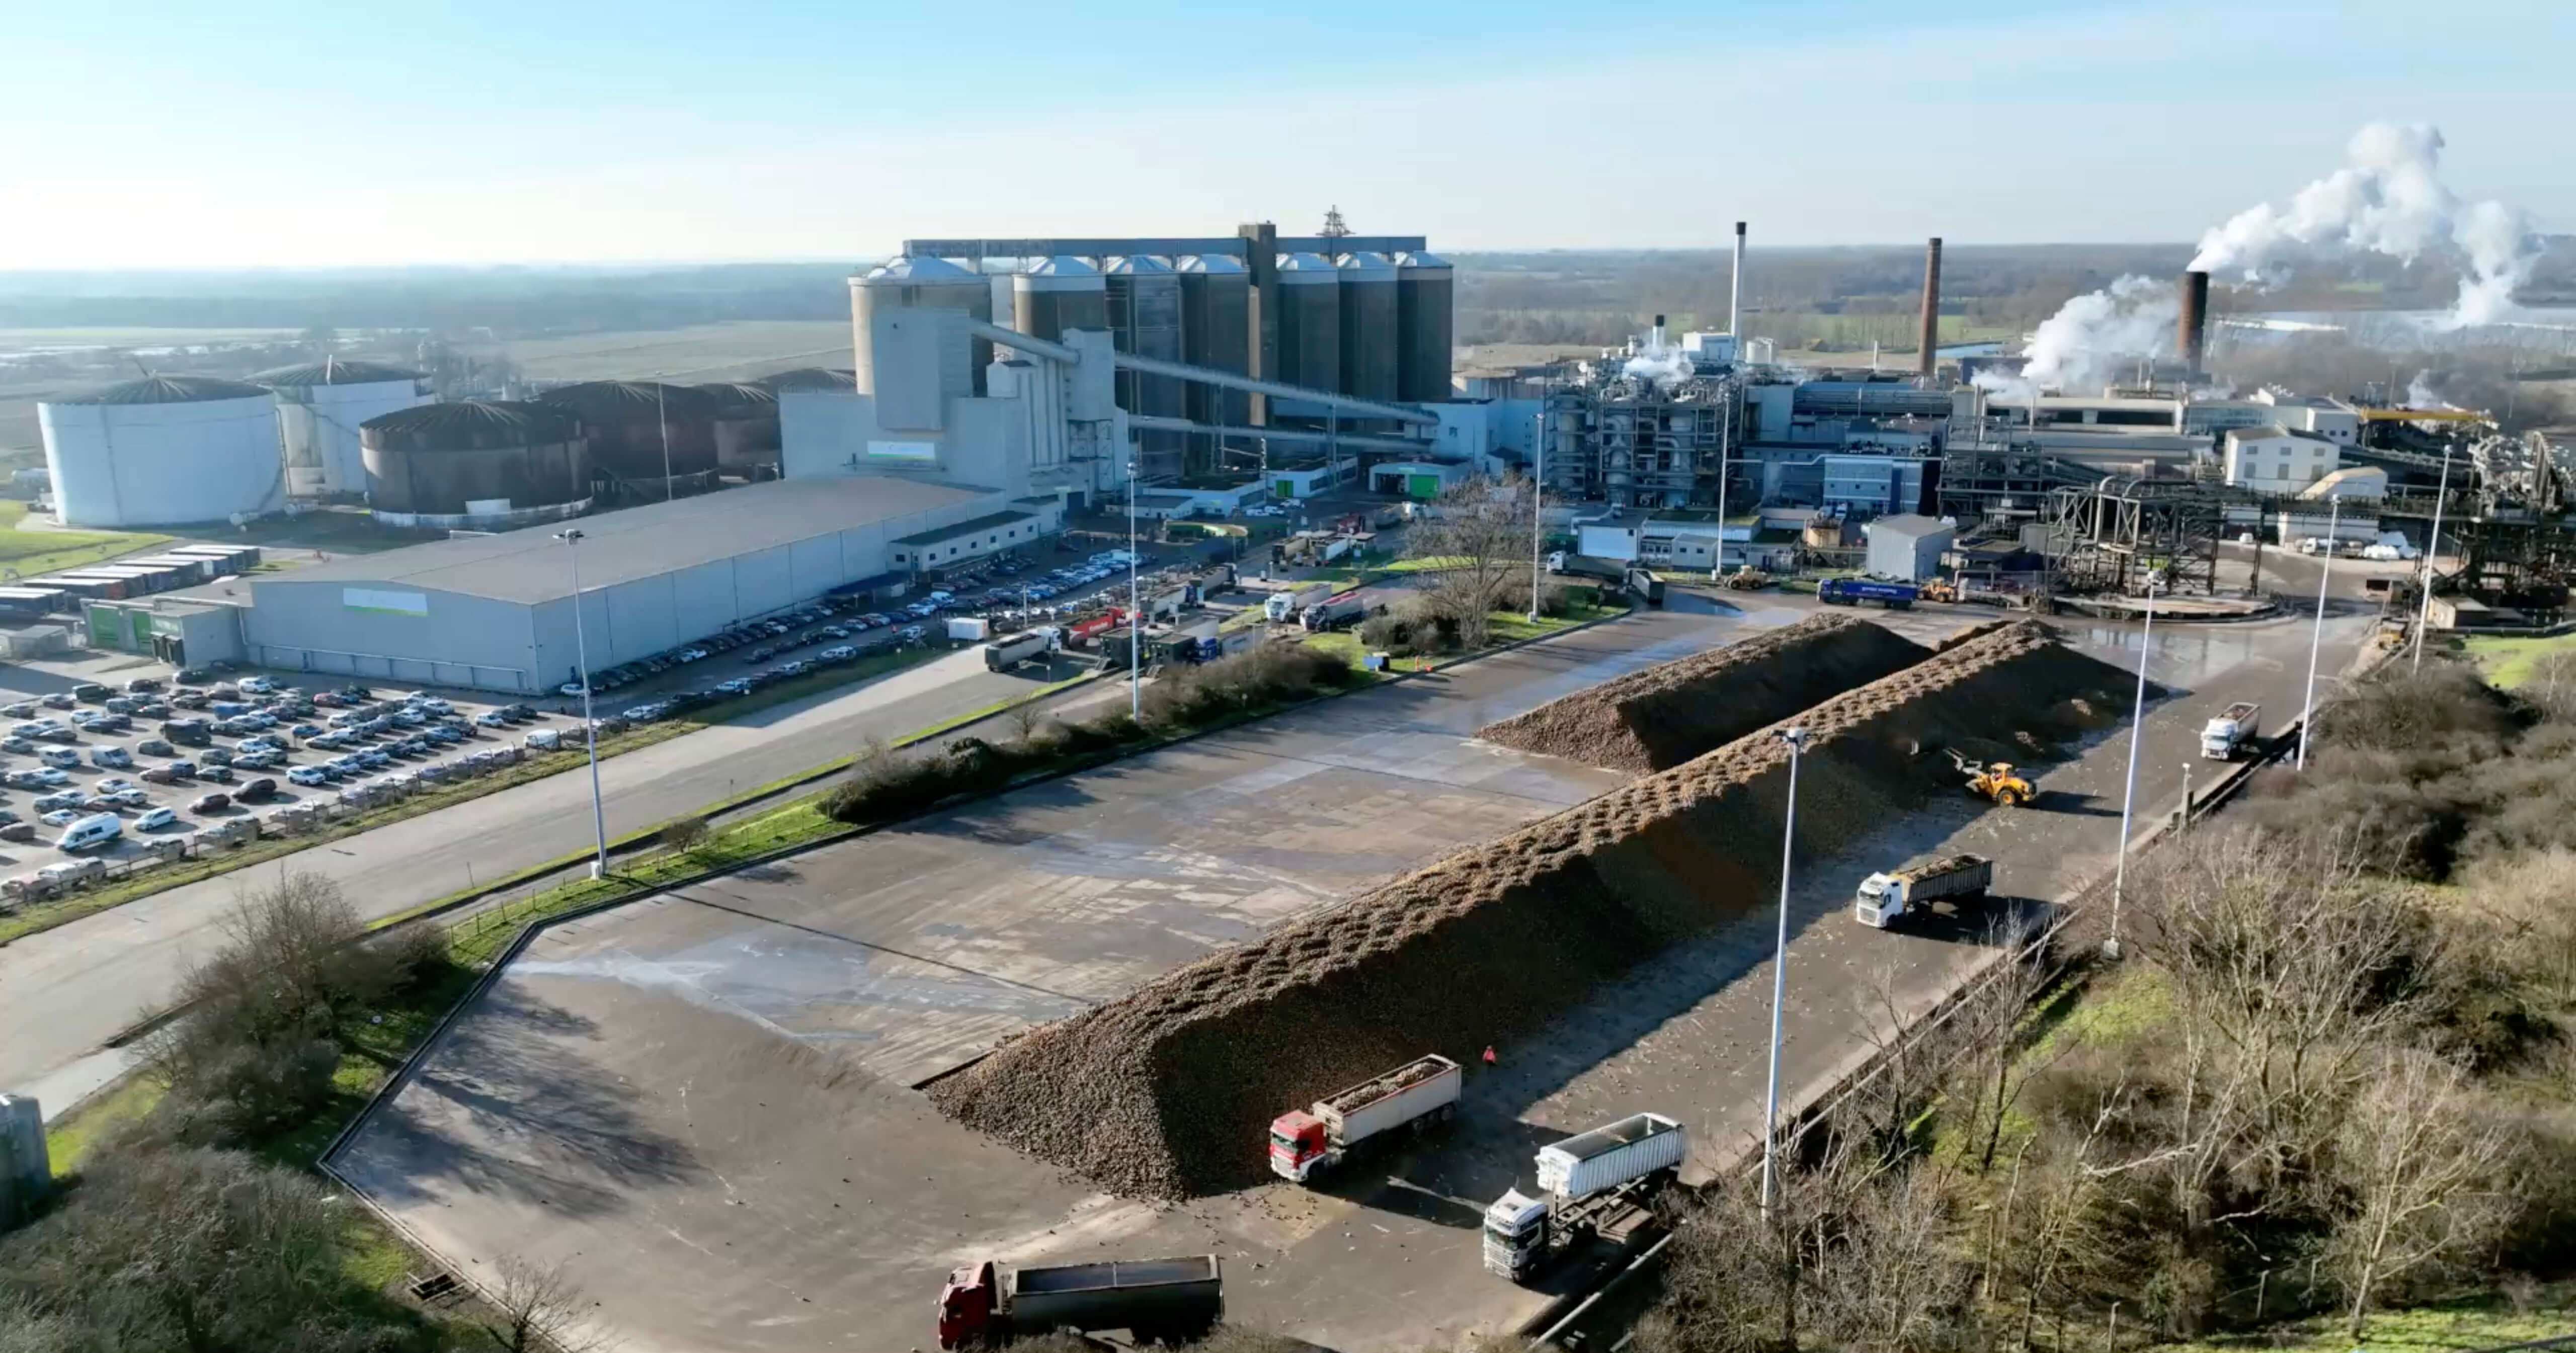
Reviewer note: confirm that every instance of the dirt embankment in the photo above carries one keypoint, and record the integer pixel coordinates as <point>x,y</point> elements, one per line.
<point>1660,717</point>
<point>1168,1091</point>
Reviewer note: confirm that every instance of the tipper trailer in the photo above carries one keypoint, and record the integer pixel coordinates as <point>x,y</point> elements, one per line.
<point>1589,1183</point>
<point>1334,612</point>
<point>1885,898</point>
<point>2226,735</point>
<point>1421,1093</point>
<point>1154,1300</point>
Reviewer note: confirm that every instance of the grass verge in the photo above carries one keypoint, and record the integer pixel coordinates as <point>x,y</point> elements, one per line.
<point>25,553</point>
<point>2482,1320</point>
<point>2509,662</point>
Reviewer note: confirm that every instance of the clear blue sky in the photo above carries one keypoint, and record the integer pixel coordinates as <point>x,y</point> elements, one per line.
<point>158,134</point>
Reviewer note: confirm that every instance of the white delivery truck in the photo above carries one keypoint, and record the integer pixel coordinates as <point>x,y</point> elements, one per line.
<point>973,629</point>
<point>98,830</point>
<point>1019,648</point>
<point>1284,605</point>
<point>1590,1184</point>
<point>2223,737</point>
<point>1420,1093</point>
<point>1884,898</point>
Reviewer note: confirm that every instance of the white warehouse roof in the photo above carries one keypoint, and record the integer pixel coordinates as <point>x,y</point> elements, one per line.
<point>642,542</point>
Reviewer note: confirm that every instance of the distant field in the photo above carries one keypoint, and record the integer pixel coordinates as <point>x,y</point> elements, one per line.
<point>27,340</point>
<point>692,355</point>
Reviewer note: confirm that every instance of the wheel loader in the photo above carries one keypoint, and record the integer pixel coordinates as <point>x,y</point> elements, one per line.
<point>1995,781</point>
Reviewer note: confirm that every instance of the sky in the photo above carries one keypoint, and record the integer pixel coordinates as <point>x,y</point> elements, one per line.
<point>152,134</point>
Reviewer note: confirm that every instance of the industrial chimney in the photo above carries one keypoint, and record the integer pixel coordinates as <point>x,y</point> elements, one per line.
<point>1931,337</point>
<point>1735,304</point>
<point>2194,338</point>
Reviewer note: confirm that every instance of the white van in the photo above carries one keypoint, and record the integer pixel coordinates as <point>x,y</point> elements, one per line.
<point>91,831</point>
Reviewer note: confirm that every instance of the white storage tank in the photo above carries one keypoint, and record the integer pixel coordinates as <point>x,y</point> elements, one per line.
<point>914,282</point>
<point>163,450</point>
<point>319,408</point>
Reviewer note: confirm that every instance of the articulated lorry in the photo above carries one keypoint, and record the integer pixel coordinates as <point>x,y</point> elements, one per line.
<point>1333,612</point>
<point>1285,604</point>
<point>1420,1094</point>
<point>1854,591</point>
<point>1154,1300</point>
<point>1019,648</point>
<point>1884,899</point>
<point>1593,1183</point>
<point>2223,737</point>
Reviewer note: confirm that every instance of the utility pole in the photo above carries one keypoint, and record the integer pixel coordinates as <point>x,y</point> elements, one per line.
<point>1538,496</point>
<point>1796,737</point>
<point>590,731</point>
<point>2129,796</point>
<point>2424,610</point>
<point>2317,640</point>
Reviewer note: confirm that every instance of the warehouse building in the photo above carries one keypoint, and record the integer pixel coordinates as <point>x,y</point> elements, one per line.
<point>495,612</point>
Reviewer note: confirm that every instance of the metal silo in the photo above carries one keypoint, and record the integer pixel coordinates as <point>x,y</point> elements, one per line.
<point>1216,317</point>
<point>1144,297</point>
<point>746,429</point>
<point>1310,321</point>
<point>1061,293</point>
<point>810,378</point>
<point>476,457</point>
<point>921,283</point>
<point>639,431</point>
<point>319,408</point>
<point>163,450</point>
<point>1368,325</point>
<point>1426,318</point>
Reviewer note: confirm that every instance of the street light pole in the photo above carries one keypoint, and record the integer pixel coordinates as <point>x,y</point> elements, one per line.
<point>590,726</point>
<point>1135,616</point>
<point>1797,739</point>
<point>2316,643</point>
<point>2424,611</point>
<point>1538,497</point>
<point>2129,796</point>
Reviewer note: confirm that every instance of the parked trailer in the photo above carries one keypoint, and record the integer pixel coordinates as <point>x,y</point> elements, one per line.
<point>1167,1300</point>
<point>1885,898</point>
<point>1333,612</point>
<point>1612,571</point>
<point>1421,1093</point>
<point>1590,1183</point>
<point>1642,584</point>
<point>2223,737</point>
<point>1018,648</point>
<point>1854,591</point>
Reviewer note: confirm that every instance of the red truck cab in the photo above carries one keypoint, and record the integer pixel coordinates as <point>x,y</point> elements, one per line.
<point>966,1305</point>
<point>1296,1138</point>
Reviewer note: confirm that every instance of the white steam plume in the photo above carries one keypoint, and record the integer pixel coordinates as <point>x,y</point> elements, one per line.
<point>1660,366</point>
<point>2388,200</point>
<point>2093,338</point>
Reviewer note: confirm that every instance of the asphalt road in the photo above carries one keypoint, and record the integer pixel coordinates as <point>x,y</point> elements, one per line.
<point>64,992</point>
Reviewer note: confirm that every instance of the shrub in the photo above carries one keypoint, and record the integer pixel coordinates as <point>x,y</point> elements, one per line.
<point>1413,626</point>
<point>685,834</point>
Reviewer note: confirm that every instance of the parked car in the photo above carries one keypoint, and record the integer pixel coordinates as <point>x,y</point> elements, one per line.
<point>258,685</point>
<point>309,776</point>
<point>142,685</point>
<point>62,817</point>
<point>91,692</point>
<point>192,676</point>
<point>155,820</point>
<point>839,653</point>
<point>185,770</point>
<point>60,758</point>
<point>21,709</point>
<point>222,775</point>
<point>737,686</point>
<point>257,790</point>
<point>160,775</point>
<point>59,800</point>
<point>60,700</point>
<point>491,718</point>
<point>18,745</point>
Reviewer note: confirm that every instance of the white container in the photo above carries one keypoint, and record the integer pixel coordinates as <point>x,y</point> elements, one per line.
<point>1607,1157</point>
<point>970,628</point>
<point>1365,1110</point>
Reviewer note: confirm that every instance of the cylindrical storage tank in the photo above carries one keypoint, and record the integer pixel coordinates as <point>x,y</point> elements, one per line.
<point>163,450</point>
<point>435,459</point>
<point>1426,319</point>
<point>919,283</point>
<point>319,408</point>
<point>1144,296</point>
<point>1061,293</point>
<point>1216,315</point>
<point>746,425</point>
<point>1369,353</point>
<point>1310,321</point>
<point>810,378</point>
<point>625,423</point>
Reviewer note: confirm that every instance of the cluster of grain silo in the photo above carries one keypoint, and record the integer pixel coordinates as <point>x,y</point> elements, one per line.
<point>320,407</point>
<point>1426,321</point>
<point>746,428</point>
<point>1310,321</point>
<point>1144,295</point>
<point>486,459</point>
<point>163,450</point>
<point>641,433</point>
<point>1216,316</point>
<point>917,283</point>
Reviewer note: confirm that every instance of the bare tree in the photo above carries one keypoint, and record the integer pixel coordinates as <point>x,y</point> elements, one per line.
<point>2420,1169</point>
<point>1989,1025</point>
<point>537,1308</point>
<point>685,834</point>
<point>1475,545</point>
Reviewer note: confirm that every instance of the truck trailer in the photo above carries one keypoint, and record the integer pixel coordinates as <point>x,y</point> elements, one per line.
<point>1885,898</point>
<point>1018,648</point>
<point>1284,605</point>
<point>1421,1093</point>
<point>1154,1300</point>
<point>1854,591</point>
<point>2223,737</point>
<point>1611,571</point>
<point>1333,612</point>
<point>1589,1184</point>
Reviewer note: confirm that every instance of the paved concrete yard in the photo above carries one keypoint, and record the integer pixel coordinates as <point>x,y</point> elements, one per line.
<point>702,1103</point>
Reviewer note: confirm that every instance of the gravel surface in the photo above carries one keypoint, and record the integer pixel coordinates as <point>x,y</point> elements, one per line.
<point>1660,717</point>
<point>1168,1092</point>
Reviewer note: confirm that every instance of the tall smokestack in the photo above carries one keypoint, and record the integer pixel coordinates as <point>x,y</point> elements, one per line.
<point>1931,339</point>
<point>2194,338</point>
<point>1735,305</point>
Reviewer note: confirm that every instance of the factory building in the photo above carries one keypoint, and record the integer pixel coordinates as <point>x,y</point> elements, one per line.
<point>495,612</point>
<point>486,465</point>
<point>320,407</point>
<point>2275,460</point>
<point>163,450</point>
